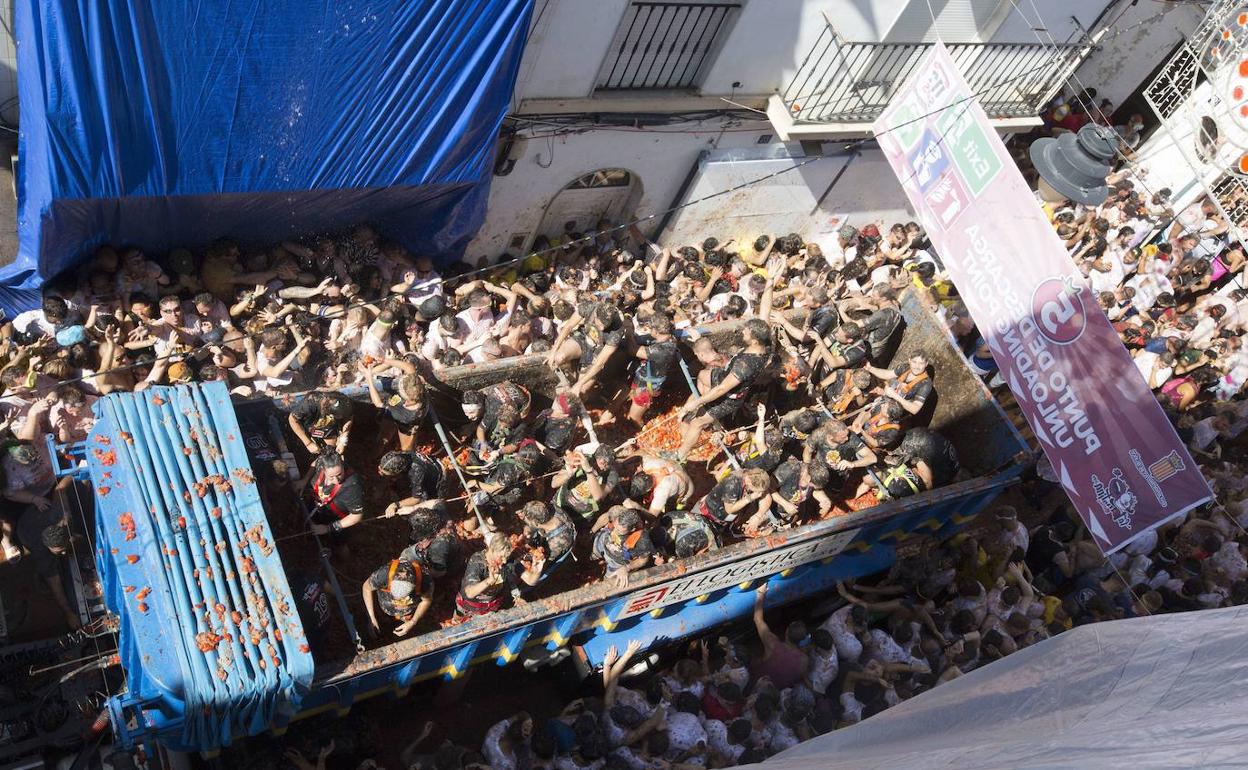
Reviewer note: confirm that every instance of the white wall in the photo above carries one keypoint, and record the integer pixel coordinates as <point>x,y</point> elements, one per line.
<point>763,49</point>
<point>867,192</point>
<point>8,65</point>
<point>660,158</point>
<point>1139,40</point>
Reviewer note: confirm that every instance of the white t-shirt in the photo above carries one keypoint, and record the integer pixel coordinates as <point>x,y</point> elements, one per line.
<point>717,740</point>
<point>684,732</point>
<point>697,686</point>
<point>1148,286</point>
<point>851,708</point>
<point>824,666</point>
<point>847,645</point>
<point>1145,361</point>
<point>437,341</point>
<point>32,321</point>
<point>1230,561</point>
<point>884,648</point>
<point>1107,281</point>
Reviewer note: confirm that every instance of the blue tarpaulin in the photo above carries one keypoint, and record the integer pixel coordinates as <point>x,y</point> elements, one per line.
<point>163,124</point>
<point>210,637</point>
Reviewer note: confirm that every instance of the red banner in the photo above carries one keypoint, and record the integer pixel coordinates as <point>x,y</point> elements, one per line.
<point>1118,458</point>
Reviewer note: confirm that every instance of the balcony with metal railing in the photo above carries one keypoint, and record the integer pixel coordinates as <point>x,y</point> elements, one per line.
<point>841,87</point>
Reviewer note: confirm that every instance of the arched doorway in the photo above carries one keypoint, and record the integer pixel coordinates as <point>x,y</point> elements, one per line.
<point>609,193</point>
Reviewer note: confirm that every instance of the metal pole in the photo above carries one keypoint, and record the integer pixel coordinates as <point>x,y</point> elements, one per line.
<point>486,527</point>
<point>321,551</point>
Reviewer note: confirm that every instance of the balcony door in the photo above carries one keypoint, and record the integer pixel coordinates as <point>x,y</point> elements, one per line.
<point>606,194</point>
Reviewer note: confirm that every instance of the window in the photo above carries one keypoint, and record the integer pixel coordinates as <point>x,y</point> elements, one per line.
<point>664,45</point>
<point>959,21</point>
<point>610,177</point>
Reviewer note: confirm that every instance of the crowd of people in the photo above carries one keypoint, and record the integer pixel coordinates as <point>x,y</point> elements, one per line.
<point>801,413</point>
<point>801,410</point>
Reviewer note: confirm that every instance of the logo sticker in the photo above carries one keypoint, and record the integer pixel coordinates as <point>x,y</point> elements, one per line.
<point>1115,498</point>
<point>1057,308</point>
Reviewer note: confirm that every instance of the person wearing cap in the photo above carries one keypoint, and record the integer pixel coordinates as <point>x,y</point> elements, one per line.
<point>404,592</point>
<point>623,544</point>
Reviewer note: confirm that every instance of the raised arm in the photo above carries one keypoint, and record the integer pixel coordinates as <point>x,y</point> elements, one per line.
<point>765,634</point>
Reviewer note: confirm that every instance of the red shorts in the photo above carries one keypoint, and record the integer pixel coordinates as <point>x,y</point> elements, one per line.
<point>642,396</point>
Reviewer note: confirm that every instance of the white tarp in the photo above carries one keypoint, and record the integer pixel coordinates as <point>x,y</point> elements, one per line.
<point>1158,692</point>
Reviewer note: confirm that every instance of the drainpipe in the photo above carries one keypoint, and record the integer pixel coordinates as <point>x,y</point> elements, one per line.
<point>680,195</point>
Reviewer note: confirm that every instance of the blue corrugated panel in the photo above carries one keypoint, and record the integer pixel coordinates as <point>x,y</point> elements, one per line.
<point>164,124</point>
<point>210,637</point>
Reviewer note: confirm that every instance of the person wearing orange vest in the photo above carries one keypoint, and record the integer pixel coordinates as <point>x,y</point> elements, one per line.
<point>845,390</point>
<point>880,425</point>
<point>908,384</point>
<point>624,544</point>
<point>404,591</point>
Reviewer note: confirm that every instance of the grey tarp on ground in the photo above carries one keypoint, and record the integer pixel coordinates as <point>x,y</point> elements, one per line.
<point>1164,691</point>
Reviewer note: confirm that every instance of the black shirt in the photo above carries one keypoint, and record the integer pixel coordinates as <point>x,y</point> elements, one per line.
<point>722,495</point>
<point>747,367</point>
<point>557,541</point>
<point>840,393</point>
<point>788,479</point>
<point>593,340</point>
<point>768,459</point>
<point>313,604</point>
<point>936,451</point>
<point>331,504</point>
<point>618,552</point>
<point>400,609</point>
<point>880,327</point>
<point>30,529</point>
<point>505,393</point>
<point>574,495</point>
<point>660,356</point>
<point>322,429</point>
<point>425,478</point>
<point>554,432</point>
<point>511,476</point>
<point>405,417</point>
<point>913,387</point>
<point>477,570</point>
<point>854,353</point>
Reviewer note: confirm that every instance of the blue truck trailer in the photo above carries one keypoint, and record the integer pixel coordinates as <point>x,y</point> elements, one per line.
<point>213,649</point>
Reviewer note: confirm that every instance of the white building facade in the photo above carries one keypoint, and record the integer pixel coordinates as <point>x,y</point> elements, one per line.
<point>627,109</point>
